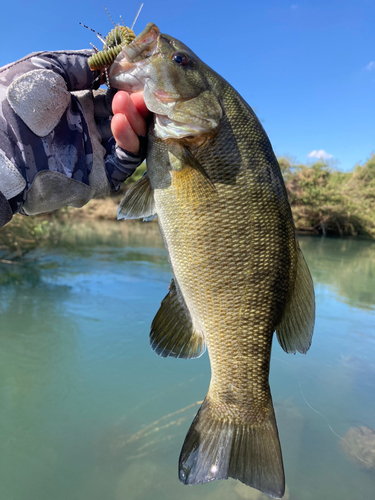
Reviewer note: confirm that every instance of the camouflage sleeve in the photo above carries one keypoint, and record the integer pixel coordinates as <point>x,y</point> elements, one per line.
<point>51,151</point>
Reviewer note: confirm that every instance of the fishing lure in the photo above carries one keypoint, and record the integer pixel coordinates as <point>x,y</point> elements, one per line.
<point>112,46</point>
<point>119,36</point>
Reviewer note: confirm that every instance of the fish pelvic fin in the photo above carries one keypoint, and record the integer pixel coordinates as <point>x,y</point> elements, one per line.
<point>220,448</point>
<point>295,330</point>
<point>138,201</point>
<point>172,332</point>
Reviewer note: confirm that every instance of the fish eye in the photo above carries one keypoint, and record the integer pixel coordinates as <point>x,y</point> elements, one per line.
<point>180,58</point>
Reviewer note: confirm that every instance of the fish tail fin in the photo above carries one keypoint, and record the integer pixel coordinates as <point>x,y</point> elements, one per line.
<point>218,449</point>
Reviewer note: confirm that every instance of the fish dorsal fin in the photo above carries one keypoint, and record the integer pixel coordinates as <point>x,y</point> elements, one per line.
<point>295,330</point>
<point>172,332</point>
<point>138,201</point>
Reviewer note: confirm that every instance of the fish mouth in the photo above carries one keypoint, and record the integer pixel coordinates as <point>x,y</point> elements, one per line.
<point>131,69</point>
<point>147,65</point>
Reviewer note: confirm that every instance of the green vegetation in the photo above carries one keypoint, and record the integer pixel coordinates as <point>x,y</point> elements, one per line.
<point>329,202</point>
<point>19,237</point>
<point>23,234</point>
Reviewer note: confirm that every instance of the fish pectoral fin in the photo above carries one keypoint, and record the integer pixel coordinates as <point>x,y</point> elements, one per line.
<point>189,177</point>
<point>218,448</point>
<point>138,201</point>
<point>194,163</point>
<point>172,332</point>
<point>295,330</point>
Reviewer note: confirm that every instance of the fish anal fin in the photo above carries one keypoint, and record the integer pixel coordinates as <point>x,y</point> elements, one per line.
<point>217,448</point>
<point>295,330</point>
<point>138,201</point>
<point>172,332</point>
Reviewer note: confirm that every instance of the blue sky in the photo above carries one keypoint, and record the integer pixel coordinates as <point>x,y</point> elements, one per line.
<point>307,68</point>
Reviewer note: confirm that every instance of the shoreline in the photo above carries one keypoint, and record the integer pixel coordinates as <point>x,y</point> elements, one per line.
<point>105,209</point>
<point>324,202</point>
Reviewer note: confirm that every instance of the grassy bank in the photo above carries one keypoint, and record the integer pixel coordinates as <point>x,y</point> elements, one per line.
<point>324,201</point>
<point>330,202</point>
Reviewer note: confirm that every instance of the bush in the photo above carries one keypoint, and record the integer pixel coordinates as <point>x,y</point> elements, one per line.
<point>327,201</point>
<point>23,234</point>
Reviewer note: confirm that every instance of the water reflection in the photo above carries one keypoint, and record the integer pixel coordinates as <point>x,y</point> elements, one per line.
<point>121,234</point>
<point>88,411</point>
<point>348,266</point>
<point>17,274</point>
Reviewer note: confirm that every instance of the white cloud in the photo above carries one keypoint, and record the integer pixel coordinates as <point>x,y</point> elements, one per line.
<point>321,154</point>
<point>370,66</point>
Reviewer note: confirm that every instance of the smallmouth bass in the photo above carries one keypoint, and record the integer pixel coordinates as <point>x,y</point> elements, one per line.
<point>238,273</point>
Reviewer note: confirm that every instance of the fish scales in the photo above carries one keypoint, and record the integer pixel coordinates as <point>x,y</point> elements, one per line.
<point>238,272</point>
<point>247,284</point>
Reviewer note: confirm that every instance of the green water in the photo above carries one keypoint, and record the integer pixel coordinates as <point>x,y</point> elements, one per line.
<point>89,412</point>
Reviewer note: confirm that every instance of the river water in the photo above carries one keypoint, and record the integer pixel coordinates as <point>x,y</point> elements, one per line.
<point>89,412</point>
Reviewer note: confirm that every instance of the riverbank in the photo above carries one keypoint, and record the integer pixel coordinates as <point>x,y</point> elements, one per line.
<point>327,201</point>
<point>324,201</point>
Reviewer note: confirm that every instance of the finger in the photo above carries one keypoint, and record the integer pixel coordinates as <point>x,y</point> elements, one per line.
<point>123,104</point>
<point>140,104</point>
<point>124,133</point>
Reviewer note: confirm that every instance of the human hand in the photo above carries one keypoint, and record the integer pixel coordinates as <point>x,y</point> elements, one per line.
<point>129,120</point>
<point>57,147</point>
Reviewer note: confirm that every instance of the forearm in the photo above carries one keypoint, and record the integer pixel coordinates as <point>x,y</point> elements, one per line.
<point>56,147</point>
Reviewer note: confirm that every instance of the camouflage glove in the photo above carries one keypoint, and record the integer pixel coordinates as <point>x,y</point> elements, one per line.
<point>56,148</point>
